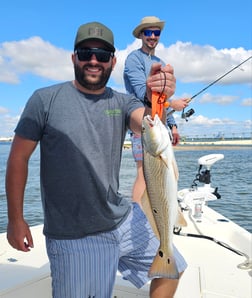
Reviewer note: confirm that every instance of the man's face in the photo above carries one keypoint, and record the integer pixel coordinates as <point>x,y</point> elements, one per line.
<point>91,72</point>
<point>150,37</point>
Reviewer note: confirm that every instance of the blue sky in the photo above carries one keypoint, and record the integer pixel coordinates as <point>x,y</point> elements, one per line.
<point>201,39</point>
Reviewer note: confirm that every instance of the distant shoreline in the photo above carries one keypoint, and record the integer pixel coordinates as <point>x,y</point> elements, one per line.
<point>210,147</point>
<point>207,145</point>
<point>192,145</point>
<point>215,145</point>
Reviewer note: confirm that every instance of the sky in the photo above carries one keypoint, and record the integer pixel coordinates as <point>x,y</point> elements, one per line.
<point>202,40</point>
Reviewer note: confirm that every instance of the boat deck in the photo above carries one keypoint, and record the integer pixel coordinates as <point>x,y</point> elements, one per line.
<point>212,269</point>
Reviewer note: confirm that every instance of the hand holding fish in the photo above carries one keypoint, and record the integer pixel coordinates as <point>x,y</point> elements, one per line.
<point>161,85</point>
<point>162,80</point>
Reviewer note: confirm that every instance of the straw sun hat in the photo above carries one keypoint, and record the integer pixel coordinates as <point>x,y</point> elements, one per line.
<point>148,22</point>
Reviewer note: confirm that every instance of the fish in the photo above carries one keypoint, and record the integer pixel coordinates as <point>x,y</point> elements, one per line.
<point>159,202</point>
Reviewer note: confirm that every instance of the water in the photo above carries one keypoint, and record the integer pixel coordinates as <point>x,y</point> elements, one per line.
<point>232,175</point>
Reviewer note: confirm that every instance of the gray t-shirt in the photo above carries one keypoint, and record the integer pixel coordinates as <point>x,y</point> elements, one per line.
<point>81,138</point>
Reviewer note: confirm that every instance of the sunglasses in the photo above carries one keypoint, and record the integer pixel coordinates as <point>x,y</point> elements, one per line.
<point>101,55</point>
<point>148,32</point>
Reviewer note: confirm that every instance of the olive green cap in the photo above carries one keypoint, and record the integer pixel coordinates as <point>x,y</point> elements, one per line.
<point>95,31</point>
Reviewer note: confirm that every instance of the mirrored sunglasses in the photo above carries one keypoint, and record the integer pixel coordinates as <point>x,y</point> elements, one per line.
<point>85,54</point>
<point>148,32</point>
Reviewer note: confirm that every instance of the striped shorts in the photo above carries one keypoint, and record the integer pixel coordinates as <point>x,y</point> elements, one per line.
<point>137,148</point>
<point>87,267</point>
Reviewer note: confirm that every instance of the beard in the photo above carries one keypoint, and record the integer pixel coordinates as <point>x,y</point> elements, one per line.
<point>151,44</point>
<point>89,84</point>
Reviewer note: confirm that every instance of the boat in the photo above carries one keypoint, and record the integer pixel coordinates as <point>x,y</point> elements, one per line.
<point>217,250</point>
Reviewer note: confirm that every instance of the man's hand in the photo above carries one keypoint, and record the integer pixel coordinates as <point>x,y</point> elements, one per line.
<point>161,79</point>
<point>19,236</point>
<point>175,136</point>
<point>179,104</point>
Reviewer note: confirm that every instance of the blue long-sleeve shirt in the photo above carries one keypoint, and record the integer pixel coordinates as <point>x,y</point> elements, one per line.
<point>136,71</point>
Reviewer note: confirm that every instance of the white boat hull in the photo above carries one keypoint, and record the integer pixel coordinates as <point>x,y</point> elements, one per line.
<point>212,269</point>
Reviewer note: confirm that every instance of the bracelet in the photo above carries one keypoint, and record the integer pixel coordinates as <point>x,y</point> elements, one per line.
<point>147,102</point>
<point>172,125</point>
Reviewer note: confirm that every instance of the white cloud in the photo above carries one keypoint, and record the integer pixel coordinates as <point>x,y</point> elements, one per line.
<point>192,63</point>
<point>195,63</point>
<point>8,124</point>
<point>35,56</point>
<point>201,126</point>
<point>219,99</point>
<point>247,102</point>
<point>3,110</point>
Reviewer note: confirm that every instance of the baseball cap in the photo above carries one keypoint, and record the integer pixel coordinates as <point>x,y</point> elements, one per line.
<point>95,31</point>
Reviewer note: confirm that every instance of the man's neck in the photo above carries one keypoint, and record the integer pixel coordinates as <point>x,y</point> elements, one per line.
<point>148,51</point>
<point>82,89</point>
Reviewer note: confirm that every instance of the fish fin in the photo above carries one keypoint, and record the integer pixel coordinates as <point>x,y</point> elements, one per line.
<point>145,202</point>
<point>164,159</point>
<point>163,266</point>
<point>175,168</point>
<point>180,222</point>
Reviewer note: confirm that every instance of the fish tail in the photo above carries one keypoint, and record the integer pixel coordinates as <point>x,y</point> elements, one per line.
<point>163,266</point>
<point>180,221</point>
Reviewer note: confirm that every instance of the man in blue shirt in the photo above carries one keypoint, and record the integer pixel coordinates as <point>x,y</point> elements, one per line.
<point>137,68</point>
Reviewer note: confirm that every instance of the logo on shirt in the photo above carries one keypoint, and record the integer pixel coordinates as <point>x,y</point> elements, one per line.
<point>115,112</point>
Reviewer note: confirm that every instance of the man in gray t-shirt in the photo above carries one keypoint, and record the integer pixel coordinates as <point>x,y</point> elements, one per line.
<point>91,231</point>
<point>78,134</point>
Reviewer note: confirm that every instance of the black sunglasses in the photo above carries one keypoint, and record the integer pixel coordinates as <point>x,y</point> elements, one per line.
<point>148,32</point>
<point>85,54</point>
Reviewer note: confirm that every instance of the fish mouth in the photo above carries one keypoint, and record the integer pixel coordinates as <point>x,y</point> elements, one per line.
<point>147,123</point>
<point>150,121</point>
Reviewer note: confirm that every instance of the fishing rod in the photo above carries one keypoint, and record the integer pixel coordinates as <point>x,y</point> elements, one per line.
<point>190,112</point>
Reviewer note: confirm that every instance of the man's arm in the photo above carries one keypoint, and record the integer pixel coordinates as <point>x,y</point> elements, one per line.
<point>18,232</point>
<point>134,76</point>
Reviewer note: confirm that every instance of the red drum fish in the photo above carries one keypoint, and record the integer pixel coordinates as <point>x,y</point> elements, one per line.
<point>160,203</point>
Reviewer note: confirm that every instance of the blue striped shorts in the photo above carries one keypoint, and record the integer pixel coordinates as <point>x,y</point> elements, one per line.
<point>87,267</point>
<point>137,148</point>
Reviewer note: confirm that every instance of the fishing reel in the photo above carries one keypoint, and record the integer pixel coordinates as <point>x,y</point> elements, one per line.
<point>186,115</point>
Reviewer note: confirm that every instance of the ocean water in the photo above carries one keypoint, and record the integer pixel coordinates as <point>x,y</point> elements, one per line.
<point>232,175</point>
